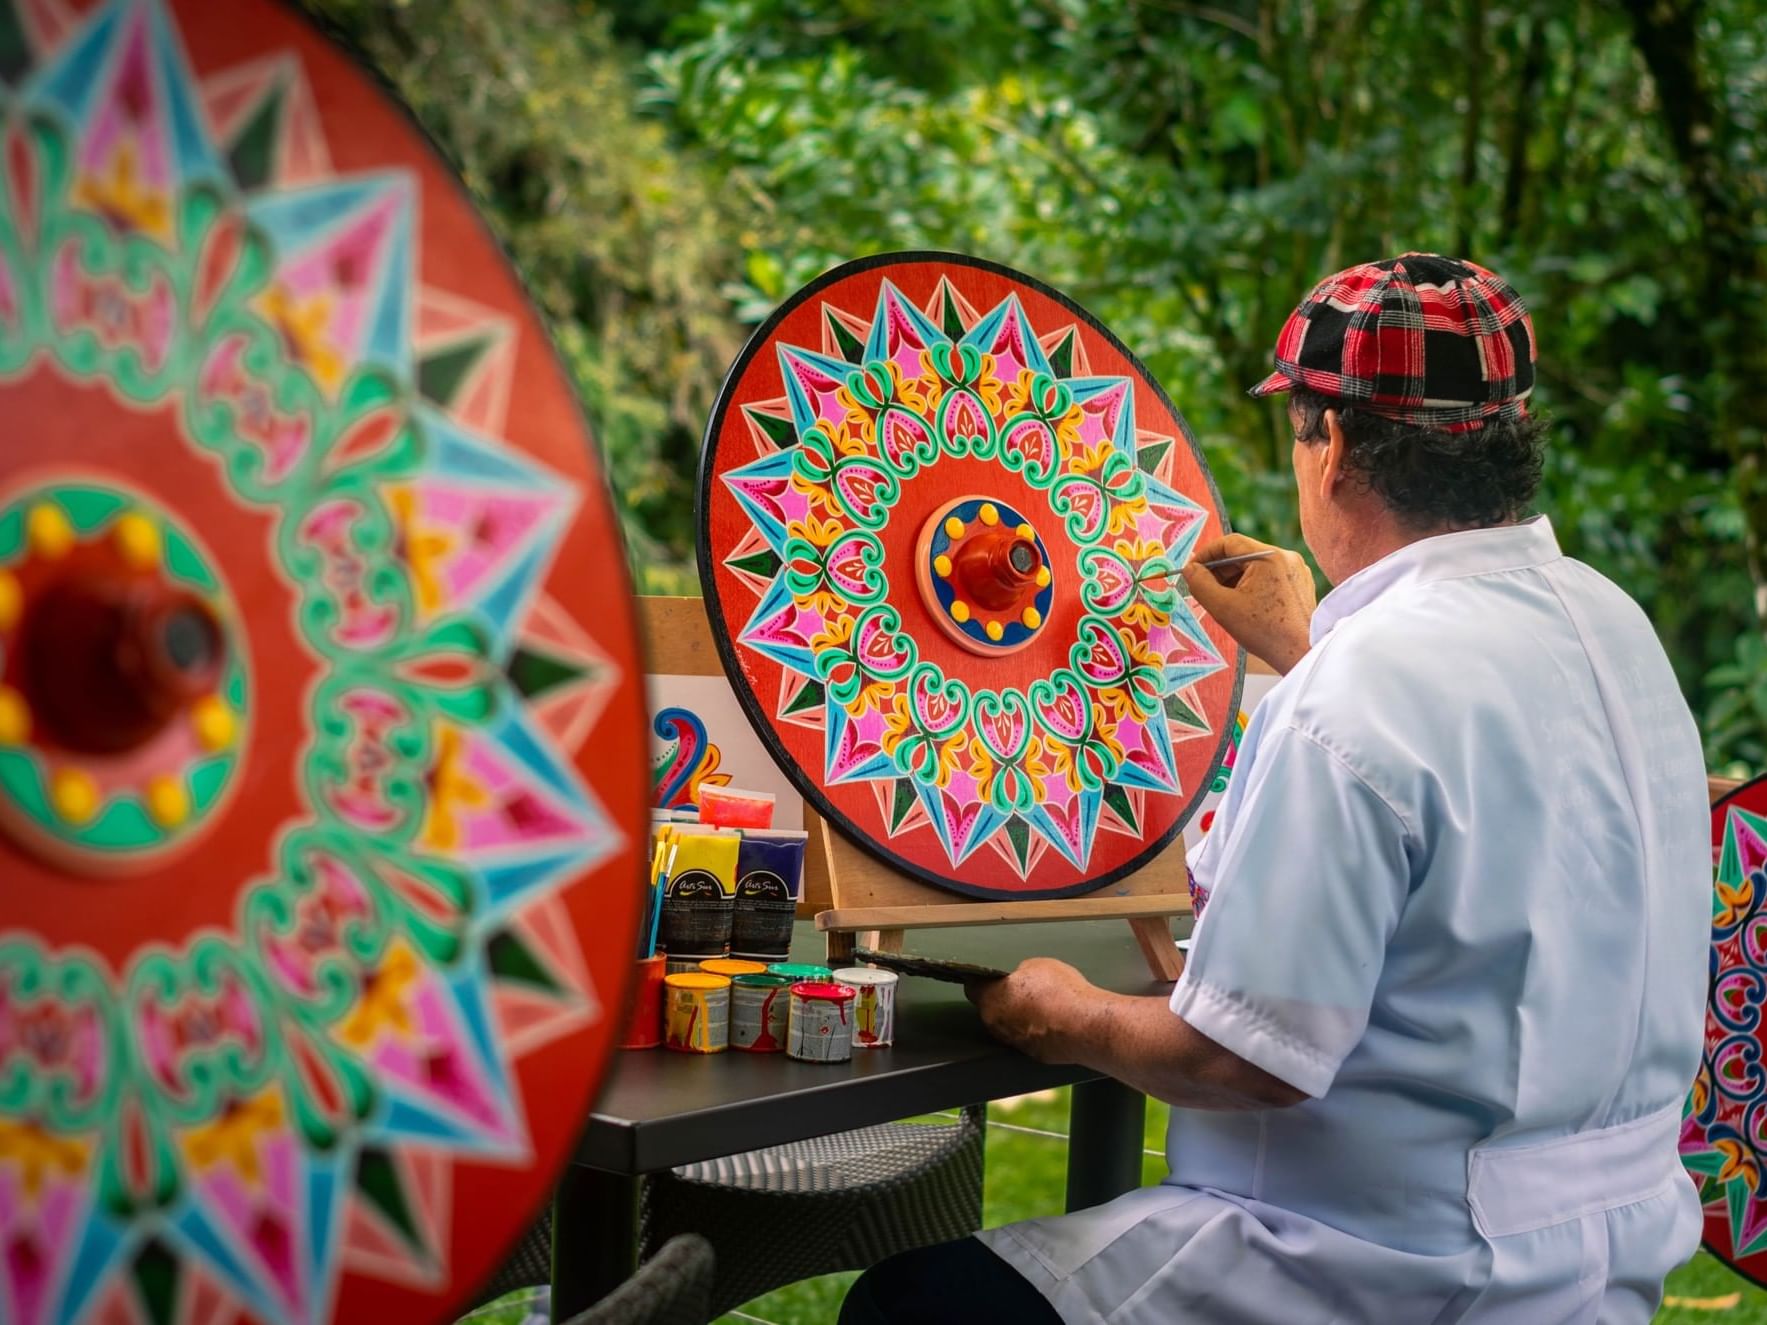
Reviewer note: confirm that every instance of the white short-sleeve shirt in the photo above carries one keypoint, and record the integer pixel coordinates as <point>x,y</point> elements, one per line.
<point>1459,893</point>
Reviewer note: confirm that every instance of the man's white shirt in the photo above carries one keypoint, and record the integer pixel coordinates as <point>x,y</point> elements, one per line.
<point>1459,893</point>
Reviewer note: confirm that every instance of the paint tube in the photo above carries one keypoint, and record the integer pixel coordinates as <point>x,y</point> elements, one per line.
<point>698,900</point>
<point>769,880</point>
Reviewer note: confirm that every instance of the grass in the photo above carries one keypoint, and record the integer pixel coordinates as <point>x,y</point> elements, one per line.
<point>1027,1175</point>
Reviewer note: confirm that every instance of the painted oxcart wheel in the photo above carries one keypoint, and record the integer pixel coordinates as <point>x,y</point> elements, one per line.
<point>941,514</point>
<point>321,737</point>
<point>1724,1132</point>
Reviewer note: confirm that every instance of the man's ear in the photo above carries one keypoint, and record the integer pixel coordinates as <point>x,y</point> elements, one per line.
<point>1331,469</point>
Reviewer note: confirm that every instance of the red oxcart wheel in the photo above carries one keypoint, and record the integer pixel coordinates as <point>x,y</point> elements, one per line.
<point>941,516</point>
<point>321,750</point>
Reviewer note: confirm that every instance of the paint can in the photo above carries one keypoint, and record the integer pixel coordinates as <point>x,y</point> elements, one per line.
<point>732,967</point>
<point>696,1012</point>
<point>874,1007</point>
<point>798,972</point>
<point>821,1025</point>
<point>687,962</point>
<point>760,1012</point>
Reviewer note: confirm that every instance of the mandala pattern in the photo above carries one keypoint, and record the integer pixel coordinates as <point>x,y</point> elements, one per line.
<point>881,399</point>
<point>281,1079</point>
<point>1724,1128</point>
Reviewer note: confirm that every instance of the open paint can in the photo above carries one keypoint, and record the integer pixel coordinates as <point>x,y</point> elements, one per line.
<point>696,1013</point>
<point>760,1013</point>
<point>874,1005</point>
<point>821,1025</point>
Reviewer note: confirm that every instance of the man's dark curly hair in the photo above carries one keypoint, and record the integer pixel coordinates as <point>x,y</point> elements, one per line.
<point>1430,479</point>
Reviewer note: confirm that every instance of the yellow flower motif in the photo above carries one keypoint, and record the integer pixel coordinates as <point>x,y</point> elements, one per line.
<point>819,533</point>
<point>898,724</point>
<point>1119,700</point>
<point>424,550</point>
<point>302,325</point>
<point>1090,459</point>
<point>123,201</point>
<point>1702,1091</point>
<point>38,1153</point>
<point>1738,1163</point>
<point>452,789</point>
<point>981,766</point>
<point>1734,900</point>
<point>862,424</point>
<point>929,386</point>
<point>232,1138</point>
<point>384,1002</point>
<point>985,770</point>
<point>1124,515</point>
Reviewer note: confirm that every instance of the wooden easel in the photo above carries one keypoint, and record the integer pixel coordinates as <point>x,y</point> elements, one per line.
<point>859,901</point>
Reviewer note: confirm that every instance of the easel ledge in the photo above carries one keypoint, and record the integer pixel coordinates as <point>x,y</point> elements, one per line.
<point>858,900</point>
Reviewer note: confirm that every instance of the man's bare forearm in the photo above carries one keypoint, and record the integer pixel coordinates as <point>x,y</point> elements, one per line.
<point>1142,1042</point>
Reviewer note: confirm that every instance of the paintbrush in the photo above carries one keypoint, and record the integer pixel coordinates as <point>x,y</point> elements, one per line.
<point>656,915</point>
<point>1218,562</point>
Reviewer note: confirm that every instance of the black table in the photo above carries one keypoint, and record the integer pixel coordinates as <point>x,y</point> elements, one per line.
<point>660,1109</point>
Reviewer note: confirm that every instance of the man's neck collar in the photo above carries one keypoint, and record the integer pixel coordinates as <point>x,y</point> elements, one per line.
<point>1438,557</point>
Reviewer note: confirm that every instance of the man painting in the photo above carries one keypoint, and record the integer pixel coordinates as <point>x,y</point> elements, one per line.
<point>1428,1056</point>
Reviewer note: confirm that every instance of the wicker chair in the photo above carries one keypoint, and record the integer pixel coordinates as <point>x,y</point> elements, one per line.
<point>674,1287</point>
<point>840,1202</point>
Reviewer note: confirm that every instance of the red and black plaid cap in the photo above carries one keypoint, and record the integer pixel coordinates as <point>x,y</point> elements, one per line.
<point>1429,340</point>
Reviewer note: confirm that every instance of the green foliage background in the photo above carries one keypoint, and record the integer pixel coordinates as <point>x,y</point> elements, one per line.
<point>666,171</point>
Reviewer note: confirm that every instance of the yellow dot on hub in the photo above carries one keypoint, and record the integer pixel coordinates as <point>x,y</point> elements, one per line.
<point>995,630</point>
<point>48,531</point>
<point>960,611</point>
<point>953,527</point>
<point>1042,577</point>
<point>138,539</point>
<point>75,795</point>
<point>1032,618</point>
<point>942,564</point>
<point>990,513</point>
<point>1025,531</point>
<point>214,722</point>
<point>12,600</point>
<point>15,717</point>
<point>167,801</point>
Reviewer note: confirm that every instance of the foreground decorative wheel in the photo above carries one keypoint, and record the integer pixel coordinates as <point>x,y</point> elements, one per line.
<point>1724,1132</point>
<point>941,516</point>
<point>322,772</point>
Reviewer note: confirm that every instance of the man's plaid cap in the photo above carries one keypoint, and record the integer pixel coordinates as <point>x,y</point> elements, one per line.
<point>1424,339</point>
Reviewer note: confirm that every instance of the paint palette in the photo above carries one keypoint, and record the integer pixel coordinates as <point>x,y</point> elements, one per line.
<point>322,761</point>
<point>941,516</point>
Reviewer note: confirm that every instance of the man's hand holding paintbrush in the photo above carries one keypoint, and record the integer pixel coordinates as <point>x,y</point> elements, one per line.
<point>1261,595</point>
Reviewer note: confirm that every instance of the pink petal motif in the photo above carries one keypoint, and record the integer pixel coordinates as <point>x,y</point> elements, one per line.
<point>904,438</point>
<point>1100,414</point>
<point>882,649</point>
<point>902,340</point>
<point>862,488</point>
<point>852,751</point>
<point>1008,347</point>
<point>960,819</point>
<point>1099,656</point>
<point>1084,505</point>
<point>1109,580</point>
<point>1001,726</point>
<point>1062,706</point>
<point>853,566</point>
<point>1032,445</point>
